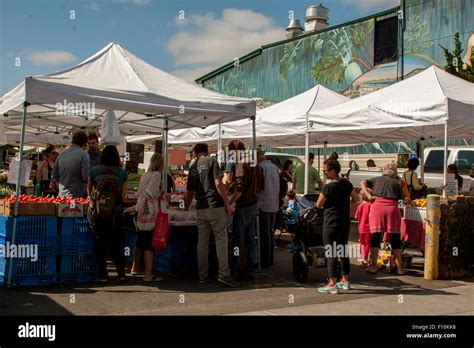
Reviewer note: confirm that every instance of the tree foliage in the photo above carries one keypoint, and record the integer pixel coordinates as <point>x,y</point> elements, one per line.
<point>454,62</point>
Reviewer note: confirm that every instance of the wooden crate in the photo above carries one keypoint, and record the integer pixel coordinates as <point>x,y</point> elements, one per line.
<point>30,209</point>
<point>66,210</point>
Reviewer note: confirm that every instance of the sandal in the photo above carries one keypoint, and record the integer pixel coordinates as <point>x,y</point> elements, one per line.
<point>155,278</point>
<point>402,273</point>
<point>137,273</point>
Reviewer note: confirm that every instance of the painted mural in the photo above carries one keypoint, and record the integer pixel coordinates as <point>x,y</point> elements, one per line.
<point>342,59</point>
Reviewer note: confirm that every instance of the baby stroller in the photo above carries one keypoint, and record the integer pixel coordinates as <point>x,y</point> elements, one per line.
<point>308,248</point>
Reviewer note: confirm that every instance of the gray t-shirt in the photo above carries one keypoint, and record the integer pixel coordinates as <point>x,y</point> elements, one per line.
<point>201,180</point>
<point>71,170</point>
<point>385,187</point>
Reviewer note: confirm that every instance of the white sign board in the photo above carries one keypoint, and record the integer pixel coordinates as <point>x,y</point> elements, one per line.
<point>466,184</point>
<point>24,172</point>
<point>451,188</point>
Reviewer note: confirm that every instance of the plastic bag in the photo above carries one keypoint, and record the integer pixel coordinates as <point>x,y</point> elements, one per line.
<point>109,131</point>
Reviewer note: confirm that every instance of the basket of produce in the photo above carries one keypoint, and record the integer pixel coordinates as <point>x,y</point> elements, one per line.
<point>416,211</point>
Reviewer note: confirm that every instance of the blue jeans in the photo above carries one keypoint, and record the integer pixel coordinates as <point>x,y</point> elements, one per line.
<point>243,228</point>
<point>267,238</point>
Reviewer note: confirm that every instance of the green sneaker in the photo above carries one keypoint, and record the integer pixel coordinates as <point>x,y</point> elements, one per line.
<point>344,285</point>
<point>229,282</point>
<point>329,289</point>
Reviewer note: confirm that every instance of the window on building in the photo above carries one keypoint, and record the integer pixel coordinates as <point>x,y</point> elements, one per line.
<point>386,40</point>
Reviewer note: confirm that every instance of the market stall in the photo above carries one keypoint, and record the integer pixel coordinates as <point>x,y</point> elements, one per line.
<point>432,104</point>
<point>144,99</point>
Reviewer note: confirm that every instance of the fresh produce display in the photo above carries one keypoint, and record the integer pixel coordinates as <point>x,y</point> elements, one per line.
<point>54,200</point>
<point>420,203</point>
<point>180,180</point>
<point>3,176</point>
<point>6,190</point>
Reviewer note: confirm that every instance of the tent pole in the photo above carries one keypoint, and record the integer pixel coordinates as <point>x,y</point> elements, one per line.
<point>254,136</point>
<point>306,161</point>
<point>219,140</point>
<point>422,159</point>
<point>18,191</point>
<point>325,150</point>
<point>445,170</point>
<point>165,157</point>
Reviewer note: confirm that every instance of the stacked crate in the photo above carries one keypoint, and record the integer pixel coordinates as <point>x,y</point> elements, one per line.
<point>39,232</point>
<point>77,261</point>
<point>179,258</point>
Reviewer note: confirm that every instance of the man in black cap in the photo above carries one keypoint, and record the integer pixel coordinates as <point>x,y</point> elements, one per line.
<point>212,209</point>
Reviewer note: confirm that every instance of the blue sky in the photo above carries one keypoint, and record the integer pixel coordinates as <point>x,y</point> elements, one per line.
<point>185,37</point>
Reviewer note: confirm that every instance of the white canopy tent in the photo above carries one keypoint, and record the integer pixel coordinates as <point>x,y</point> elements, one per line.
<point>279,125</point>
<point>431,104</point>
<point>142,96</point>
<point>145,99</point>
<point>39,140</point>
<point>282,124</point>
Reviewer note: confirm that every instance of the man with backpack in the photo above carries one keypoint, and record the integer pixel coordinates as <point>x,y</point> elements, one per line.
<point>107,188</point>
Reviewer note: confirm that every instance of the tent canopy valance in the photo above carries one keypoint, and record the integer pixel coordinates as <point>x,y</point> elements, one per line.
<point>115,79</point>
<point>418,107</point>
<point>282,124</point>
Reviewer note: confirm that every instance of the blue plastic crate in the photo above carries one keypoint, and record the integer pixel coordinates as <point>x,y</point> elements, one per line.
<point>72,245</point>
<point>77,278</point>
<point>47,246</point>
<point>18,281</point>
<point>130,242</point>
<point>176,267</point>
<point>29,226</point>
<point>178,259</point>
<point>77,227</point>
<point>26,272</point>
<point>76,264</point>
<point>179,248</point>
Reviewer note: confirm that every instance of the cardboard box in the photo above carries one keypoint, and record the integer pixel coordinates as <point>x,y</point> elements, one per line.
<point>25,209</point>
<point>68,210</point>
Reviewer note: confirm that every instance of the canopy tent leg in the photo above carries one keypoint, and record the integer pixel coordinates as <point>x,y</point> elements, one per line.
<point>254,136</point>
<point>325,150</point>
<point>306,161</point>
<point>18,187</point>
<point>422,159</point>
<point>219,141</point>
<point>445,170</point>
<point>165,157</point>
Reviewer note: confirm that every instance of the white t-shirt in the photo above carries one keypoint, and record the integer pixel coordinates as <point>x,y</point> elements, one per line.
<point>151,186</point>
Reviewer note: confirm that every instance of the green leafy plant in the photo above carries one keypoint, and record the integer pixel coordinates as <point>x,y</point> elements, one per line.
<point>454,62</point>
<point>416,35</point>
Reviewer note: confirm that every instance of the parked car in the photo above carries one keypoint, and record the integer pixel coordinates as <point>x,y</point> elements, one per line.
<point>461,156</point>
<point>280,158</point>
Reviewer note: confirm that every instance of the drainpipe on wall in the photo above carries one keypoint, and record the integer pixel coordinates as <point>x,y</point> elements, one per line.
<point>403,23</point>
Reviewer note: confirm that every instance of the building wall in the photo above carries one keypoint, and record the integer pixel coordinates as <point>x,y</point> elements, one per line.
<point>342,58</point>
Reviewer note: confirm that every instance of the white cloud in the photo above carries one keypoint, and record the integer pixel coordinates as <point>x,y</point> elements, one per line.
<point>209,41</point>
<point>192,74</point>
<point>371,5</point>
<point>50,58</point>
<point>92,7</point>
<point>136,2</point>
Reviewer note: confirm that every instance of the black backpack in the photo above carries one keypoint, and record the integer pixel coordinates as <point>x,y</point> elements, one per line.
<point>106,196</point>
